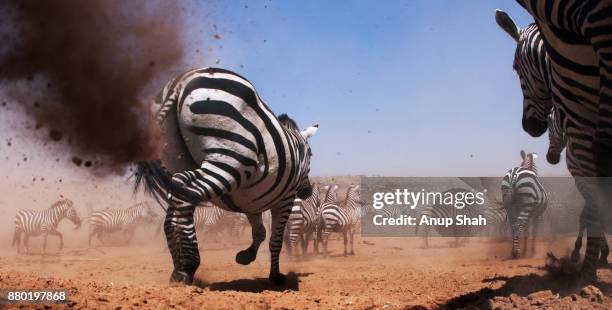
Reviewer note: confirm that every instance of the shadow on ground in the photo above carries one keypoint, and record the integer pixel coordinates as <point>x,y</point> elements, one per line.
<point>256,285</point>
<point>561,278</point>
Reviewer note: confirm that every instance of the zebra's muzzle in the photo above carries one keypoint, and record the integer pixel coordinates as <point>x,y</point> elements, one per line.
<point>534,126</point>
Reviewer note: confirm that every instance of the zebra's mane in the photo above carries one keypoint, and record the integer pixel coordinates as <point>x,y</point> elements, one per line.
<point>62,202</point>
<point>288,122</point>
<point>529,163</point>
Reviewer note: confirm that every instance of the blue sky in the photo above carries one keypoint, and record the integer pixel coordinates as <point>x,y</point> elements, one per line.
<point>414,88</point>
<point>400,88</point>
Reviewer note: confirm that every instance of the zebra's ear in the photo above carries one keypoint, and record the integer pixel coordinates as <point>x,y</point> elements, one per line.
<point>522,154</point>
<point>507,24</point>
<point>310,131</point>
<point>534,155</point>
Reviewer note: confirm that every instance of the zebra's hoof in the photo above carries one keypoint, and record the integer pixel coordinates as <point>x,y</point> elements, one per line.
<point>245,257</point>
<point>181,277</point>
<point>278,278</point>
<point>603,262</point>
<point>351,253</point>
<point>553,158</point>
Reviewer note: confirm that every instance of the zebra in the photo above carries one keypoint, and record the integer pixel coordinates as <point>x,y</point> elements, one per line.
<point>304,220</point>
<point>524,199</point>
<point>34,223</point>
<point>104,222</point>
<point>342,218</point>
<point>231,150</point>
<point>574,94</point>
<point>442,210</point>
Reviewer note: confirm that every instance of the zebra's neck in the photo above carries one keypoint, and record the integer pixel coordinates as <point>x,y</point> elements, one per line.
<point>57,212</point>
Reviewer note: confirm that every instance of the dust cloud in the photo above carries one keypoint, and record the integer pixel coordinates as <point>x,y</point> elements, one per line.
<point>85,65</point>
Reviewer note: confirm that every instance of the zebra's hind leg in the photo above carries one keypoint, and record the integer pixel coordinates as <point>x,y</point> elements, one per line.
<point>182,242</point>
<point>258,233</point>
<point>605,250</point>
<point>345,239</point>
<point>279,221</point>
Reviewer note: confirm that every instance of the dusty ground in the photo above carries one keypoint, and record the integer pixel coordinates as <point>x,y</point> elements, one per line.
<point>386,273</point>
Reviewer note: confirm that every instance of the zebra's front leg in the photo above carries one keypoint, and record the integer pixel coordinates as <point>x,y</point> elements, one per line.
<point>26,241</point>
<point>351,240</point>
<point>279,221</point>
<point>44,245</point>
<point>182,242</point>
<point>61,238</point>
<point>258,233</point>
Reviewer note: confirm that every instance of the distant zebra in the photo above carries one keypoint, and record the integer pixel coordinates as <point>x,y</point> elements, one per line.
<point>574,93</point>
<point>342,219</point>
<point>525,201</point>
<point>104,222</point>
<point>304,220</point>
<point>229,149</point>
<point>441,210</point>
<point>34,223</point>
<point>207,215</point>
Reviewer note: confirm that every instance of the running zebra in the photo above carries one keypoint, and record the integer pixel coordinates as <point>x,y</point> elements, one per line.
<point>525,201</point>
<point>304,220</point>
<point>342,218</point>
<point>34,223</point>
<point>104,222</point>
<point>576,97</point>
<point>229,149</point>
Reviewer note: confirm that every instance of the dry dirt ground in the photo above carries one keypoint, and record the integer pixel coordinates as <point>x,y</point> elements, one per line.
<point>386,273</point>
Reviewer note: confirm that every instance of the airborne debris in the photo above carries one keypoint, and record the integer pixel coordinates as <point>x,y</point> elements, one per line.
<point>77,161</point>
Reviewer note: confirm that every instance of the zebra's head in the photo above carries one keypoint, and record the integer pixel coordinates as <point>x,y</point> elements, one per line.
<point>303,152</point>
<point>532,65</point>
<point>71,214</point>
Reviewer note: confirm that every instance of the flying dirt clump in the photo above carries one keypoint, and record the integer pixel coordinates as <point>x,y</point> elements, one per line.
<point>95,59</point>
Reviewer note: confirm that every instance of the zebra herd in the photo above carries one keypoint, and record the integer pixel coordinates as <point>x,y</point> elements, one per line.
<point>320,215</point>
<point>224,146</point>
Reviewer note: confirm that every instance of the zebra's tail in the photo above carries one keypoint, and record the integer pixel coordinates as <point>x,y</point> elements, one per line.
<point>157,182</point>
<point>16,236</point>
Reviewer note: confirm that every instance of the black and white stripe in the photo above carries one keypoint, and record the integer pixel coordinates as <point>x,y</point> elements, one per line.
<point>304,220</point>
<point>525,201</point>
<point>574,38</point>
<point>343,218</point>
<point>34,223</point>
<point>239,155</point>
<point>124,220</point>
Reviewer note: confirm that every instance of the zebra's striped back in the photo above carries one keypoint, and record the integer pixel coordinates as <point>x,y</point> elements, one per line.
<point>34,222</point>
<point>110,220</point>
